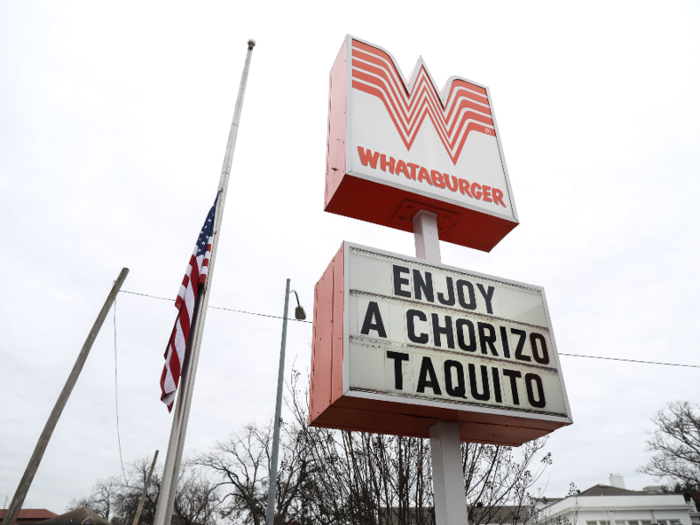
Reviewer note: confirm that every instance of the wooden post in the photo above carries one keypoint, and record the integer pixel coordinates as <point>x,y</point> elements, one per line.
<point>145,490</point>
<point>35,460</point>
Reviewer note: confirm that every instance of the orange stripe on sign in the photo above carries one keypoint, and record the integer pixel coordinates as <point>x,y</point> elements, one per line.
<point>466,108</point>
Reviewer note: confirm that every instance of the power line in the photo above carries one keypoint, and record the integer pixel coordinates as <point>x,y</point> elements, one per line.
<point>630,360</point>
<point>298,320</point>
<point>219,307</point>
<point>116,392</point>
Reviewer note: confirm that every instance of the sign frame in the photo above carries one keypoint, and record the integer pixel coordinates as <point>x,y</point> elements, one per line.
<point>334,405</point>
<point>379,200</point>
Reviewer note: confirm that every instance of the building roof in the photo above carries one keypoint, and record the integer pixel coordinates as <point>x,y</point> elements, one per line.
<point>608,490</point>
<point>81,516</point>
<point>504,514</point>
<point>31,514</point>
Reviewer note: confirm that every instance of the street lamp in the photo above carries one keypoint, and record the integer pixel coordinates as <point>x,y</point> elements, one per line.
<point>300,315</point>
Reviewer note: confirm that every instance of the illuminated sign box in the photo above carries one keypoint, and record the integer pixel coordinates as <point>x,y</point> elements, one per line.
<point>401,343</point>
<point>397,146</point>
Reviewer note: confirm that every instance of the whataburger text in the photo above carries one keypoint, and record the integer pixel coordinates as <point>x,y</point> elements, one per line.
<point>418,173</point>
<point>438,335</point>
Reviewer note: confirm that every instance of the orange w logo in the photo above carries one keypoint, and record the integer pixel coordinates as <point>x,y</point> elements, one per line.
<point>465,109</point>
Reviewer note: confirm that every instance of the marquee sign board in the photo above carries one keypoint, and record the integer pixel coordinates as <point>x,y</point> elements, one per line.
<point>396,146</point>
<point>402,343</point>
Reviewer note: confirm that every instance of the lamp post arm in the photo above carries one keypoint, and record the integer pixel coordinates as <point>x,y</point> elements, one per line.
<point>297,296</point>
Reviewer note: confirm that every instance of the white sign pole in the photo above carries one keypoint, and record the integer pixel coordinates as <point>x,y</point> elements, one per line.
<point>448,479</point>
<point>425,232</point>
<point>445,453</point>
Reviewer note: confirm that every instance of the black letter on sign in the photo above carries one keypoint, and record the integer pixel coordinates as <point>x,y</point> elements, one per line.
<point>398,372</point>
<point>504,338</point>
<point>484,381</point>
<point>541,359</point>
<point>426,368</point>
<point>521,344</point>
<point>373,320</point>
<point>461,323</point>
<point>410,315</point>
<point>488,295</point>
<point>513,375</point>
<point>450,301</point>
<point>398,281</point>
<point>487,339</point>
<point>534,378</point>
<point>447,330</point>
<point>419,286</point>
<point>471,305</point>
<point>459,390</point>
<point>496,384</point>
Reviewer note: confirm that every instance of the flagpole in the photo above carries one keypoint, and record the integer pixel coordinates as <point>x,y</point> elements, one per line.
<point>168,488</point>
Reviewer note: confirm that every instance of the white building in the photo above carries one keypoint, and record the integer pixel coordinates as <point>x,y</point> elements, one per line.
<point>615,505</point>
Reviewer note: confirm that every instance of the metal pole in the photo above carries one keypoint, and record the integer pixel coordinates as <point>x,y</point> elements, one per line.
<point>35,460</point>
<point>270,514</point>
<point>145,490</point>
<point>448,478</point>
<point>166,500</point>
<point>425,235</point>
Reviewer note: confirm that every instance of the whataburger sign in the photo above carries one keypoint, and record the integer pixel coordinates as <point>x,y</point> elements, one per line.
<point>398,145</point>
<point>401,343</point>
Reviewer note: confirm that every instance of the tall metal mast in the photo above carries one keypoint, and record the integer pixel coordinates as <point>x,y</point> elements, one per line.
<point>173,459</point>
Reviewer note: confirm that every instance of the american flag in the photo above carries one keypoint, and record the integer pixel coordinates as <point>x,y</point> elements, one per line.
<point>195,275</point>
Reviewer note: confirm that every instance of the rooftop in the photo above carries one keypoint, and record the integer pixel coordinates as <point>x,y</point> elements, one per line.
<point>31,514</point>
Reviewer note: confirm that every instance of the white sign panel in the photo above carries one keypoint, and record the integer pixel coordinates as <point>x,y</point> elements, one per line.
<point>424,333</point>
<point>408,134</point>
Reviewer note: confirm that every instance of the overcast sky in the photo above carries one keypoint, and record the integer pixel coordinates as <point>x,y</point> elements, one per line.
<point>113,124</point>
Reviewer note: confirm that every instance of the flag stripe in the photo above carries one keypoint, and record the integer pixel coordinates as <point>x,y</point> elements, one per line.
<point>195,275</point>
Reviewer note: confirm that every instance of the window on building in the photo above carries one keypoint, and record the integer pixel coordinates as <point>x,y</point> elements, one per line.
<point>646,522</point>
<point>633,522</point>
<point>675,522</point>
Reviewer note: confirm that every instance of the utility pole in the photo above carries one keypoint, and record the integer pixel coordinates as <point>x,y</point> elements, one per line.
<point>26,481</point>
<point>145,490</point>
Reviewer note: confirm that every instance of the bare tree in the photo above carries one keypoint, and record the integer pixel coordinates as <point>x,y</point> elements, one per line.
<point>116,498</point>
<point>676,443</point>
<point>539,514</point>
<point>690,491</point>
<point>368,478</point>
<point>242,464</point>
<point>676,440</point>
<point>332,477</point>
<point>499,480</point>
<point>197,501</point>
<point>102,498</point>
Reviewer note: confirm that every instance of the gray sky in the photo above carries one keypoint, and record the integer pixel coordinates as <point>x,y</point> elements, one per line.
<point>113,123</point>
